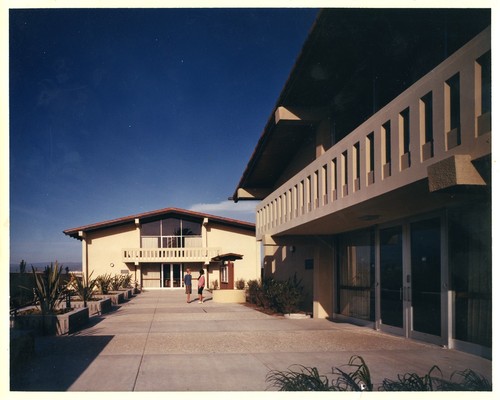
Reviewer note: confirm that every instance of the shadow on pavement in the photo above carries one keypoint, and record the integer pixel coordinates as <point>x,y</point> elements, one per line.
<point>58,362</point>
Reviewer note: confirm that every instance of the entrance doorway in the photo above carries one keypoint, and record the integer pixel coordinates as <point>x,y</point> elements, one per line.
<point>410,279</point>
<point>171,276</point>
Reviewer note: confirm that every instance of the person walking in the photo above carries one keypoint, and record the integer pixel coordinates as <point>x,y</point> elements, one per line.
<point>201,285</point>
<point>188,285</point>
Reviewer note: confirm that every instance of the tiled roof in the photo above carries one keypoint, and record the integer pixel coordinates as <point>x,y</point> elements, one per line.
<point>151,215</point>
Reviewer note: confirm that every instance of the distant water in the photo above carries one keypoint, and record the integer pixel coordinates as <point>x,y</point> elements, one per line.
<point>73,266</point>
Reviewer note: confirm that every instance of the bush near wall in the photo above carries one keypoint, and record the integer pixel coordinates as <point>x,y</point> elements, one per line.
<point>277,295</point>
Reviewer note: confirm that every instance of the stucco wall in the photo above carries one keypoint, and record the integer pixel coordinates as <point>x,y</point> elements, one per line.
<point>104,248</point>
<point>239,241</point>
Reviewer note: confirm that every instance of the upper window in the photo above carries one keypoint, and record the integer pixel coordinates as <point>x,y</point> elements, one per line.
<point>171,227</point>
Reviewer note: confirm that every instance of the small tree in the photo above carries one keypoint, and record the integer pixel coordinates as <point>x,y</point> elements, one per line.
<point>22,267</point>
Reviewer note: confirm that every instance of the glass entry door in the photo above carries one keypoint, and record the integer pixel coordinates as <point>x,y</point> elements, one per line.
<point>172,275</point>
<point>410,279</point>
<point>425,288</point>
<point>391,279</point>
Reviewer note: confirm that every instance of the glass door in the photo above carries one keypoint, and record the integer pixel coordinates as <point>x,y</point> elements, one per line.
<point>410,279</point>
<point>391,279</point>
<point>172,276</point>
<point>177,280</point>
<point>425,293</point>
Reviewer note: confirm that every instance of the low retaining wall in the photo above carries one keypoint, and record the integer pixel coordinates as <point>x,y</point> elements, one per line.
<point>229,296</point>
<point>116,297</point>
<point>98,306</point>
<point>54,324</point>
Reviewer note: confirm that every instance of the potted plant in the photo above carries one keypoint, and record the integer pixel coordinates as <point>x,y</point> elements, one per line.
<point>231,295</point>
<point>48,317</point>
<point>106,284</point>
<point>85,289</point>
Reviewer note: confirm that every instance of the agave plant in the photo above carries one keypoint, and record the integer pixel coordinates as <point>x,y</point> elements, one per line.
<point>104,283</point>
<point>305,379</point>
<point>357,380</point>
<point>84,287</point>
<point>48,290</point>
<point>116,282</point>
<point>412,382</point>
<point>126,281</point>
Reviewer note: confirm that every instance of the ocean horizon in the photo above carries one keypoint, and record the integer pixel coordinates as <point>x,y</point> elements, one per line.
<point>73,266</point>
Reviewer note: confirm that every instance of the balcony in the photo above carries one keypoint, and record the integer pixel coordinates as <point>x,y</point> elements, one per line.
<point>175,249</point>
<point>402,153</point>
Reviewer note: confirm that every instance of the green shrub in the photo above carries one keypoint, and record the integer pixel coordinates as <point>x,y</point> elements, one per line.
<point>253,287</point>
<point>279,296</point>
<point>240,284</point>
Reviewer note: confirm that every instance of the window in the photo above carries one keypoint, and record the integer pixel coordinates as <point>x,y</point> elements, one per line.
<point>356,275</point>
<point>224,275</point>
<point>171,233</point>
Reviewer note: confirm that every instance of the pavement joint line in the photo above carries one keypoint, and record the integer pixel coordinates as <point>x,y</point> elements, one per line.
<point>144,348</point>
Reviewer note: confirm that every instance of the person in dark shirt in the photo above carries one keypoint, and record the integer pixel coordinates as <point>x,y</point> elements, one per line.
<point>201,286</point>
<point>187,284</point>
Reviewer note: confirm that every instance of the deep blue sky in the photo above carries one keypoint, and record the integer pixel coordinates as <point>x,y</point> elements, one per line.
<point>117,112</point>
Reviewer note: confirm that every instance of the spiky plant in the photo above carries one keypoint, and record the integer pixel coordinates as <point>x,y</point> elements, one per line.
<point>48,290</point>
<point>104,283</point>
<point>357,380</point>
<point>412,382</point>
<point>305,379</point>
<point>84,287</point>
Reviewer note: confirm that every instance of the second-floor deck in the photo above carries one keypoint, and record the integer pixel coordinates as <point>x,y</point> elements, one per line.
<point>445,114</point>
<point>174,248</point>
<point>175,254</point>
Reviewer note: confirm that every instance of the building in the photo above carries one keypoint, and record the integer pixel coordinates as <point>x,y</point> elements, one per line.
<point>373,173</point>
<point>157,247</point>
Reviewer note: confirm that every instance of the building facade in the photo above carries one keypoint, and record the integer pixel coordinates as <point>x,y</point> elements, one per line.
<point>374,174</point>
<point>157,247</point>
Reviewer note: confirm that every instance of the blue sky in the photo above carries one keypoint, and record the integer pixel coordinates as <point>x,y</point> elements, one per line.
<point>117,112</point>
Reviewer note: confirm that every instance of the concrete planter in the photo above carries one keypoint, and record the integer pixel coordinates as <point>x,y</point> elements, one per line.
<point>116,297</point>
<point>127,293</point>
<point>297,316</point>
<point>98,306</point>
<point>54,324</point>
<point>229,296</point>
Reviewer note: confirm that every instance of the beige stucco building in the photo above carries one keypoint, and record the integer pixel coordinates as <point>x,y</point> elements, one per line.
<point>157,247</point>
<point>374,174</point>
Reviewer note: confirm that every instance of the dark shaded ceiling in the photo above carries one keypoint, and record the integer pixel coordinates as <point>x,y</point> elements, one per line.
<point>353,63</point>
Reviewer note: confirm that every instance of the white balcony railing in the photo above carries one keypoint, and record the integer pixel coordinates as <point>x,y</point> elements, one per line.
<point>184,254</point>
<point>440,116</point>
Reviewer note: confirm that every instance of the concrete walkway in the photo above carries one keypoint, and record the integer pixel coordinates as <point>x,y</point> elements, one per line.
<point>157,342</point>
